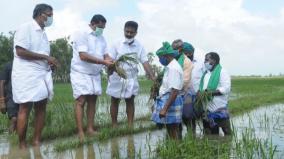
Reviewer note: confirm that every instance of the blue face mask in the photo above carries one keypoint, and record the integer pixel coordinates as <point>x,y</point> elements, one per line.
<point>163,61</point>
<point>208,66</point>
<point>48,22</point>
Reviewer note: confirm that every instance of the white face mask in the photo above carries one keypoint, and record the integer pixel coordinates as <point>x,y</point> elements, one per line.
<point>98,31</point>
<point>129,40</point>
<point>48,22</point>
<point>208,66</point>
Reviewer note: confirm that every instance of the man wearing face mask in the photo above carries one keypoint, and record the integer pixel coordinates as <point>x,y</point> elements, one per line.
<point>89,56</point>
<point>196,74</point>
<point>119,88</point>
<point>217,82</point>
<point>169,103</point>
<point>184,62</point>
<point>31,72</point>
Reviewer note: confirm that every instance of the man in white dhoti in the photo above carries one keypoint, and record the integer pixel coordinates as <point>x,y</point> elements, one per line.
<point>31,73</point>
<point>89,56</point>
<point>119,88</point>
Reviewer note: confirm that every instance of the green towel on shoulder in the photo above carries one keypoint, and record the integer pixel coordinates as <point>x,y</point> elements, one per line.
<point>181,60</point>
<point>213,81</point>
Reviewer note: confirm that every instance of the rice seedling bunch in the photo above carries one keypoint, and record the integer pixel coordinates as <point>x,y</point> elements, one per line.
<point>154,92</point>
<point>201,102</point>
<point>117,66</point>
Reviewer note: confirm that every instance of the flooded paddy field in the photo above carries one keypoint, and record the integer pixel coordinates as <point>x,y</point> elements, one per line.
<point>258,131</point>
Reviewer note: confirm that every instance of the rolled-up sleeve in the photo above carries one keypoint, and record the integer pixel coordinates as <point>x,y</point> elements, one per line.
<point>104,47</point>
<point>112,51</point>
<point>143,55</point>
<point>22,37</point>
<point>80,41</point>
<point>225,83</point>
<point>175,79</point>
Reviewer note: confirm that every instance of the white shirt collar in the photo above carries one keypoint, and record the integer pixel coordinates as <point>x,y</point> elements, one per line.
<point>133,44</point>
<point>36,26</point>
<point>89,30</point>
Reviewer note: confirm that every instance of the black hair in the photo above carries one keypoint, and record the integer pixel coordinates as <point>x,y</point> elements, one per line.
<point>41,8</point>
<point>97,18</point>
<point>131,24</point>
<point>214,56</point>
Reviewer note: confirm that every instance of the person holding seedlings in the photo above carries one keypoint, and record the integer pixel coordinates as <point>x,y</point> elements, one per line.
<point>89,56</point>
<point>31,72</point>
<point>196,74</point>
<point>127,87</point>
<point>184,49</point>
<point>214,89</point>
<point>169,103</point>
<point>7,103</point>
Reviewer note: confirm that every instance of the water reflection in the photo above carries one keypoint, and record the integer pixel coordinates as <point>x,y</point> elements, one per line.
<point>117,150</point>
<point>267,122</point>
<point>85,152</point>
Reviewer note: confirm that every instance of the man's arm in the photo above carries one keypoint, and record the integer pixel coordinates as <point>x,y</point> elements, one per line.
<point>148,70</point>
<point>172,98</point>
<point>91,59</point>
<point>224,86</point>
<point>107,57</point>
<point>28,55</point>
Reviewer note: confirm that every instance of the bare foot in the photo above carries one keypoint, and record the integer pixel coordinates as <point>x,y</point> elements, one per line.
<point>114,125</point>
<point>81,136</point>
<point>92,132</point>
<point>36,143</point>
<point>13,125</point>
<point>130,125</point>
<point>23,145</point>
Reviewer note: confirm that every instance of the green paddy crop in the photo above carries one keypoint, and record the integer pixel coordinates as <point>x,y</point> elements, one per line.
<point>249,93</point>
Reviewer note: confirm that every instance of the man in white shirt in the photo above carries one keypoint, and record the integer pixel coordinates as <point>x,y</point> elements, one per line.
<point>217,82</point>
<point>119,88</point>
<point>31,73</point>
<point>196,74</point>
<point>168,105</point>
<point>89,56</point>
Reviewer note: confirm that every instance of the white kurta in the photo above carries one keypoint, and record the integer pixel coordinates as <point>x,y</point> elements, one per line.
<point>31,79</point>
<point>125,88</point>
<point>85,77</point>
<point>173,78</point>
<point>196,75</point>
<point>224,87</point>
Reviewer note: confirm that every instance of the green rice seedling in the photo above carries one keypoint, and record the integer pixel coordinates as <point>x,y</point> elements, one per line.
<point>201,102</point>
<point>154,91</point>
<point>105,133</point>
<point>117,66</point>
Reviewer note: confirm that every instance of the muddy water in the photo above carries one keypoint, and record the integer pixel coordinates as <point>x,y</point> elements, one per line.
<point>266,122</point>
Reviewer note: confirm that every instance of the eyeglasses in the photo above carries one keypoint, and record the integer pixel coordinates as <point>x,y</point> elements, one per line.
<point>49,15</point>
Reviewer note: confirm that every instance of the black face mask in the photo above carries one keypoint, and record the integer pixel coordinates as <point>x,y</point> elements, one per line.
<point>128,37</point>
<point>190,57</point>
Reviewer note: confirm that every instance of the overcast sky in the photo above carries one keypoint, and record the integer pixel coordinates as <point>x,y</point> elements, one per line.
<point>248,34</point>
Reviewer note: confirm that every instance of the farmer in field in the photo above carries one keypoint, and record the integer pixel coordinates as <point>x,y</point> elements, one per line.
<point>169,103</point>
<point>31,72</point>
<point>184,62</point>
<point>119,88</point>
<point>196,74</point>
<point>184,49</point>
<point>7,103</point>
<point>190,91</point>
<point>89,57</point>
<point>216,82</point>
